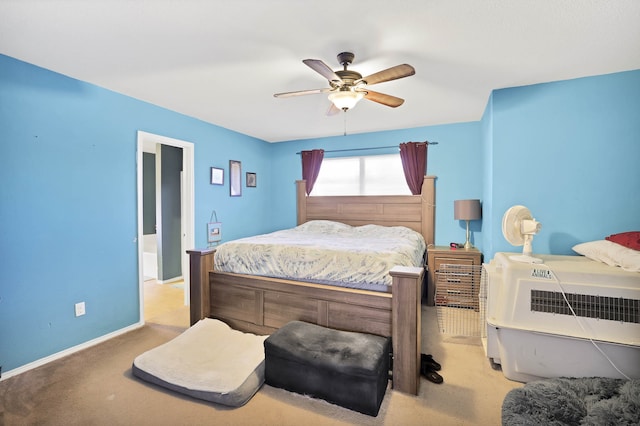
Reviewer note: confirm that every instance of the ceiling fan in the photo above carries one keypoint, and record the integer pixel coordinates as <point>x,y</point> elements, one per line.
<point>347,87</point>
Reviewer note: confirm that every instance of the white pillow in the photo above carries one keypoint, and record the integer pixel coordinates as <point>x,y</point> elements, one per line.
<point>610,253</point>
<point>323,226</point>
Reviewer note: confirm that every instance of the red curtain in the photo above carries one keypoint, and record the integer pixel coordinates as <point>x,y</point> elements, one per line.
<point>414,163</point>
<point>311,161</point>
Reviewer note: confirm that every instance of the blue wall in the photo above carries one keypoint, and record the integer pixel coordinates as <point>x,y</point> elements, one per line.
<point>68,194</point>
<point>68,205</point>
<point>487,181</point>
<point>570,152</point>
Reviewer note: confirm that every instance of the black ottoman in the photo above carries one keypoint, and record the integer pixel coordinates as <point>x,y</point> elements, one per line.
<point>345,368</point>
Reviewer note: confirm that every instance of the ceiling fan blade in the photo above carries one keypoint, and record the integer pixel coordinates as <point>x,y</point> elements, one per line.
<point>301,92</point>
<point>393,73</point>
<point>333,110</point>
<point>384,99</point>
<point>323,69</point>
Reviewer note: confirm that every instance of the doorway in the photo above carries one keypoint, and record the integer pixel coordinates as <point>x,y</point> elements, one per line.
<point>148,142</point>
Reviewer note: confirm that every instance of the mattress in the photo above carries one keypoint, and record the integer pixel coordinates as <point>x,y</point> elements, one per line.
<point>325,252</point>
<point>209,361</point>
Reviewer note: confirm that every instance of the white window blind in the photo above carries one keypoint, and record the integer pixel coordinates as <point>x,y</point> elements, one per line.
<point>366,175</point>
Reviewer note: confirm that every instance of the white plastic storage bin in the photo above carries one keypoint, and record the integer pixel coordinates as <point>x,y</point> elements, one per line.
<point>532,333</point>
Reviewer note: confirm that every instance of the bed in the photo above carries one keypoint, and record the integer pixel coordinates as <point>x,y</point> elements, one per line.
<point>261,305</point>
<point>228,371</point>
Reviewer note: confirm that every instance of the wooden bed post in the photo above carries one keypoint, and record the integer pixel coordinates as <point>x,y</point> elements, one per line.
<point>406,328</point>
<point>429,209</point>
<point>301,194</point>
<point>200,263</point>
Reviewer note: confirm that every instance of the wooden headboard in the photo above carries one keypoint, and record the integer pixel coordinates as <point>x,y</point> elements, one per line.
<point>416,212</point>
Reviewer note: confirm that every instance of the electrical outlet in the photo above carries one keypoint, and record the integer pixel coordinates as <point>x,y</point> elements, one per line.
<point>80,309</point>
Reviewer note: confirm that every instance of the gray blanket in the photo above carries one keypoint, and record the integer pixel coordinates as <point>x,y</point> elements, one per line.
<point>580,401</point>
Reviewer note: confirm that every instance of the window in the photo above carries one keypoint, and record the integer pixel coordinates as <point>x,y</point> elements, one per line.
<point>368,175</point>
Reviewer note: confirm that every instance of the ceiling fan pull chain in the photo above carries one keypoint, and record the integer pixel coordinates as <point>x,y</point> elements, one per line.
<point>345,123</point>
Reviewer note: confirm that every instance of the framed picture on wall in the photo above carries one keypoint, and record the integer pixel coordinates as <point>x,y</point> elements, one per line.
<point>217,176</point>
<point>235,182</point>
<point>251,180</point>
<point>214,232</point>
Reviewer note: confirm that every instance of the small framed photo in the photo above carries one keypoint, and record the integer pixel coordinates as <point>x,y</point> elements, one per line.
<point>217,176</point>
<point>214,232</point>
<point>251,180</point>
<point>235,182</point>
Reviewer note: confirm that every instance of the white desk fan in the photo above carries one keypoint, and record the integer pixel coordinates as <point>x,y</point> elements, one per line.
<point>518,228</point>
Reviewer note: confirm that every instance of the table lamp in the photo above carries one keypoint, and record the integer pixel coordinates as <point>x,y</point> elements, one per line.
<point>467,210</point>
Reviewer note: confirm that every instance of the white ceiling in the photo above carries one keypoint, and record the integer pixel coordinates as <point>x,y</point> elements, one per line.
<point>221,61</point>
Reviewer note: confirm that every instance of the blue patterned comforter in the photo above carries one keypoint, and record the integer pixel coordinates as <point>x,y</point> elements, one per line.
<point>325,252</point>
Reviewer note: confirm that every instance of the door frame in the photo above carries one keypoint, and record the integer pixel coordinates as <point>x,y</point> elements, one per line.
<point>145,139</point>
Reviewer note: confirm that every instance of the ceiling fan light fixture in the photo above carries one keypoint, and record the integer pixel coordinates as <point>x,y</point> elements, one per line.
<point>345,99</point>
<point>347,87</point>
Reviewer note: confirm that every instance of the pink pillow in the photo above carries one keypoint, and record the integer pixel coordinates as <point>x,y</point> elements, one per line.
<point>627,239</point>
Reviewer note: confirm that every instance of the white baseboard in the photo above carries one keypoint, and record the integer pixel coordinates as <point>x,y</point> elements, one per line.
<point>66,352</point>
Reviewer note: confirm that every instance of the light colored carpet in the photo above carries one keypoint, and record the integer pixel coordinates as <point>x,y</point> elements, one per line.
<point>95,387</point>
<point>161,299</point>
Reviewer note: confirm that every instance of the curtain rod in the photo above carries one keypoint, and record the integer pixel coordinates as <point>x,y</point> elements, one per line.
<point>368,149</point>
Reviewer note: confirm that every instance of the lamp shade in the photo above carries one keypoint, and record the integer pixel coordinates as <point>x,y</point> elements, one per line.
<point>345,99</point>
<point>467,210</point>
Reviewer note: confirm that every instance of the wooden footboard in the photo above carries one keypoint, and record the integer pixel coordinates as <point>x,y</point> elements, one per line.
<point>261,305</point>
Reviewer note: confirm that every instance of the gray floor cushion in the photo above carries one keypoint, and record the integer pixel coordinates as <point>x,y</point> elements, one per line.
<point>209,361</point>
<point>573,401</point>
